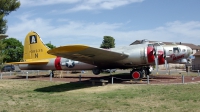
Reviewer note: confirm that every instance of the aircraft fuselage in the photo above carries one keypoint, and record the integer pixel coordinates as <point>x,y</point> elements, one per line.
<point>58,64</point>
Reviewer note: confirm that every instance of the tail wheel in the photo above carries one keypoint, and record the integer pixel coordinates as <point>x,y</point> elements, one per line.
<point>137,74</point>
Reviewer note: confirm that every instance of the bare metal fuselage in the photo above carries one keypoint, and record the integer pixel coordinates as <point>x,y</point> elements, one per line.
<point>58,64</point>
<point>138,54</point>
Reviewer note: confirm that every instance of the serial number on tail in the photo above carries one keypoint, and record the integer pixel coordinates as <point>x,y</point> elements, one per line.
<point>36,50</point>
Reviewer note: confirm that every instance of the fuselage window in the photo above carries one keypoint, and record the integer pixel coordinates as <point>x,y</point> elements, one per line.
<point>170,52</point>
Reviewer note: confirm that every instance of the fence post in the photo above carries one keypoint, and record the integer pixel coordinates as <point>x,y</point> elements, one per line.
<point>80,78</point>
<point>169,72</point>
<point>198,73</point>
<point>147,79</point>
<point>26,75</point>
<point>1,75</point>
<point>112,80</point>
<point>183,79</point>
<point>51,76</point>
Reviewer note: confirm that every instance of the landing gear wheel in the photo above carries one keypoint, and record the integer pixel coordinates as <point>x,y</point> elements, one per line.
<point>96,71</point>
<point>137,74</point>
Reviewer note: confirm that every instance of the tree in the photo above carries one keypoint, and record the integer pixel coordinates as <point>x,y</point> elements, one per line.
<point>50,45</point>
<point>3,26</point>
<point>2,55</point>
<point>6,7</point>
<point>108,42</point>
<point>13,50</point>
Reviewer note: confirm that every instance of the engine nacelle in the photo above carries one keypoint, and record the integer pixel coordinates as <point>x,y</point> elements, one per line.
<point>160,54</point>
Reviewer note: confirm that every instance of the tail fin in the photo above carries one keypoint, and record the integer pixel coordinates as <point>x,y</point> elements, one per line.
<point>34,48</point>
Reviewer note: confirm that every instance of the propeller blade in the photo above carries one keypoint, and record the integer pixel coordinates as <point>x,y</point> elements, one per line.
<point>156,58</point>
<point>156,62</point>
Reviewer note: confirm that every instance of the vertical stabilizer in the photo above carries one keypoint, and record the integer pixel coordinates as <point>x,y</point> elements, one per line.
<point>34,48</point>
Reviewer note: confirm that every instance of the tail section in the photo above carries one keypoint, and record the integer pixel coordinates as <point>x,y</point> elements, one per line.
<point>34,48</point>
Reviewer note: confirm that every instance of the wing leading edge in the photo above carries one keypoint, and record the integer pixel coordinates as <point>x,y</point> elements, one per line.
<point>88,54</point>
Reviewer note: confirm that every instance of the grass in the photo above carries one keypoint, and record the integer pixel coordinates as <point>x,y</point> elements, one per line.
<point>46,96</point>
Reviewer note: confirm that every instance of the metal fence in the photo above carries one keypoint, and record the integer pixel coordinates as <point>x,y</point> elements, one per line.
<point>196,67</point>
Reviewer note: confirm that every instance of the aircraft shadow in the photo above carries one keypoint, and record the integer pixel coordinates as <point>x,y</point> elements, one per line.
<point>83,84</point>
<point>65,87</point>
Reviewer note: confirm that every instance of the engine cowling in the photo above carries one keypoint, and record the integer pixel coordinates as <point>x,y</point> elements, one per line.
<point>150,54</point>
<point>161,55</point>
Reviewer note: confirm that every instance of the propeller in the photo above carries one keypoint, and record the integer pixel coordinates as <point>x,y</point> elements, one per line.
<point>156,54</point>
<point>160,56</point>
<point>165,57</point>
<point>156,62</point>
<point>156,57</point>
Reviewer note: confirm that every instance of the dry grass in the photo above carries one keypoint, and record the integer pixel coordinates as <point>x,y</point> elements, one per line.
<point>43,96</point>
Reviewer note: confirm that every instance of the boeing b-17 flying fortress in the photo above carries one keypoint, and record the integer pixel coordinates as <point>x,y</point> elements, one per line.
<point>138,57</point>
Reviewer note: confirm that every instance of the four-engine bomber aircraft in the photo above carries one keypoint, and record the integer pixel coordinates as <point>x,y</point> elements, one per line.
<point>138,57</point>
<point>36,57</point>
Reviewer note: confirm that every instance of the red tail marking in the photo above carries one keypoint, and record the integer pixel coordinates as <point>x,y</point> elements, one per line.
<point>57,63</point>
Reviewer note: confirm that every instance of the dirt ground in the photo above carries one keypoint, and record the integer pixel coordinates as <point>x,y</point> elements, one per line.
<point>119,78</point>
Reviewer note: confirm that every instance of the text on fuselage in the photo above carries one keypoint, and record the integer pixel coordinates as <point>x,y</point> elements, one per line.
<point>174,57</point>
<point>36,50</point>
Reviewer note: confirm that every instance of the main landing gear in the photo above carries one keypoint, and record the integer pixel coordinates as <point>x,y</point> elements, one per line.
<point>139,73</point>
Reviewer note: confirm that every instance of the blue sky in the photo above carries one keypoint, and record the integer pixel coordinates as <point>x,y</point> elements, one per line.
<point>64,22</point>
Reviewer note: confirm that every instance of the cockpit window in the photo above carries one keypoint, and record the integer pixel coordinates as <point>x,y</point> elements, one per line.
<point>149,45</point>
<point>176,49</point>
<point>161,43</point>
<point>156,44</point>
<point>183,50</point>
<point>144,41</point>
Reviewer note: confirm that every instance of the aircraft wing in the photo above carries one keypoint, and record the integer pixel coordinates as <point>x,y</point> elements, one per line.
<point>88,54</point>
<point>30,62</point>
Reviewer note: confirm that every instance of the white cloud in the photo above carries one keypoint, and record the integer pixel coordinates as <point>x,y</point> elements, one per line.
<point>46,2</point>
<point>76,32</point>
<point>79,5</point>
<point>100,4</point>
